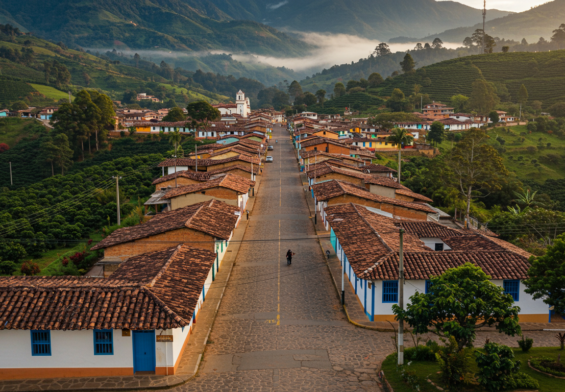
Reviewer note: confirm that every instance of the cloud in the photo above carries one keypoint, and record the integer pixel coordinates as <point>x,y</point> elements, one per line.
<point>278,5</point>
<point>331,49</point>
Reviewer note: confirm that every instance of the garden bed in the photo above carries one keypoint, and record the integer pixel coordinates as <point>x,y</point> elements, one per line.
<point>428,370</point>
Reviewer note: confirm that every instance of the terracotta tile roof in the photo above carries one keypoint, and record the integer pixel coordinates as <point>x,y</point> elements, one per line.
<point>373,168</point>
<point>225,180</point>
<point>409,193</point>
<point>430,230</point>
<point>157,290</point>
<point>330,189</point>
<point>206,162</point>
<point>326,169</point>
<point>239,150</point>
<point>197,176</point>
<point>320,140</point>
<point>371,244</point>
<point>384,181</point>
<point>334,163</point>
<point>212,217</point>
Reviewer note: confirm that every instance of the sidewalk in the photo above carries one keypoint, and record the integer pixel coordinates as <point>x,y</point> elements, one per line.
<point>191,355</point>
<point>353,306</point>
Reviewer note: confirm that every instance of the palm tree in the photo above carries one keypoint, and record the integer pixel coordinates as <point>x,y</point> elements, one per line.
<point>175,137</point>
<point>400,136</point>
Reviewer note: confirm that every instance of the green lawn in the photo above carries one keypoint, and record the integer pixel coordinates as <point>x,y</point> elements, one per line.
<point>50,92</point>
<point>425,370</point>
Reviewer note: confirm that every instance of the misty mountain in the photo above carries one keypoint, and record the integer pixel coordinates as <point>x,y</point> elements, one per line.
<point>377,19</point>
<point>537,22</point>
<point>172,24</point>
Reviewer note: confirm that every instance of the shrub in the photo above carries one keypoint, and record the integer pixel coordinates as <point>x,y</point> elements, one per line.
<point>29,268</point>
<point>532,149</point>
<point>454,364</point>
<point>496,366</point>
<point>4,147</point>
<point>522,380</point>
<point>526,344</point>
<point>548,365</point>
<point>7,267</point>
<point>420,353</point>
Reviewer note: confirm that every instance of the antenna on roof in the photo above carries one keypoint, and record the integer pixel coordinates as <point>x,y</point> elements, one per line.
<point>484,19</point>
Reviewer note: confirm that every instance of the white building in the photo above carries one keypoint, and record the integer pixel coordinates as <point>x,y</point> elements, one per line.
<point>243,104</point>
<point>366,243</point>
<point>138,320</point>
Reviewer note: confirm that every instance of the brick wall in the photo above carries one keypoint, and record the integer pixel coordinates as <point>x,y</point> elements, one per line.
<point>403,197</point>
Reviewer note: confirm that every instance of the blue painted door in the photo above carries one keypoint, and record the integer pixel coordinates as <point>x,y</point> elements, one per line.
<point>143,351</point>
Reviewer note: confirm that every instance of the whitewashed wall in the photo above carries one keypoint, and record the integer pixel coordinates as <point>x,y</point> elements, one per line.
<point>69,349</point>
<point>171,169</point>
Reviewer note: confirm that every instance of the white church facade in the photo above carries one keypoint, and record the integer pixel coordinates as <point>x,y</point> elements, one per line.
<point>242,106</point>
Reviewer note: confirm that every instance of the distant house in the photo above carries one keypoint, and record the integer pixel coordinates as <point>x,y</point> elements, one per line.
<point>47,113</point>
<point>68,326</point>
<point>144,96</point>
<point>205,165</point>
<point>4,113</point>
<point>436,110</point>
<point>366,243</point>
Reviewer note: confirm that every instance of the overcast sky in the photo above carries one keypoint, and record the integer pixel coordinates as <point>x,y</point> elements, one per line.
<point>507,5</point>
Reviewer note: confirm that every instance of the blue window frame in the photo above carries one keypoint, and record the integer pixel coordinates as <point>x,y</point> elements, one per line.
<point>512,287</point>
<point>103,342</point>
<point>428,285</point>
<point>390,291</point>
<point>40,343</point>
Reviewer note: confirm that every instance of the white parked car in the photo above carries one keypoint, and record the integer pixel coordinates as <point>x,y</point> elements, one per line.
<point>270,148</point>
<point>269,159</point>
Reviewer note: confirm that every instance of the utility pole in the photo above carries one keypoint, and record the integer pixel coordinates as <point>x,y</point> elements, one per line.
<point>342,277</point>
<point>520,118</point>
<point>70,96</point>
<point>11,182</point>
<point>484,20</point>
<point>196,156</point>
<point>401,299</point>
<point>118,198</point>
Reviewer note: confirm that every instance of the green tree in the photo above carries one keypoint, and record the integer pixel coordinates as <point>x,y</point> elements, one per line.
<point>474,166</point>
<point>107,116</point>
<point>321,96</point>
<point>436,133</point>
<point>459,103</point>
<point>280,100</point>
<point>493,116</point>
<point>459,302</point>
<point>295,89</point>
<point>408,64</point>
<point>7,267</point>
<point>546,276</point>
<point>175,139</point>
<point>90,117</point>
<point>339,90</point>
<point>175,114</point>
<point>201,113</point>
<point>49,153</point>
<point>483,97</point>
<point>557,109</point>
<point>64,156</point>
<point>309,99</point>
<point>19,105</point>
<point>559,35</point>
<point>437,43</point>
<point>398,102</point>
<point>523,95</point>
<point>375,79</point>
<point>400,137</point>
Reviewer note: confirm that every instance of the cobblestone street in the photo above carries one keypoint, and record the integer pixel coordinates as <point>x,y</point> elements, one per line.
<point>280,327</point>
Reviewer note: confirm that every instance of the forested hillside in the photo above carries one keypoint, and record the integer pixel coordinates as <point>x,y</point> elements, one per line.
<point>384,65</point>
<point>532,24</point>
<point>41,72</point>
<point>150,24</point>
<point>543,74</point>
<point>380,19</point>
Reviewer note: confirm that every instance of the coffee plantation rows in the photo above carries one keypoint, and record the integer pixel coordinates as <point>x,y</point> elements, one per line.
<point>61,209</point>
<point>541,73</point>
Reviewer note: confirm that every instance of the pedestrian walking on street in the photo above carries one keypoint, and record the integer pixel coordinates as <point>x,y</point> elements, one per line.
<point>289,255</point>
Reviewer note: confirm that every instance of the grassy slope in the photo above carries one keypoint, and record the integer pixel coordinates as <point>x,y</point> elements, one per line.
<point>525,169</point>
<point>111,78</point>
<point>12,129</point>
<point>541,73</point>
<point>429,370</point>
<point>50,92</point>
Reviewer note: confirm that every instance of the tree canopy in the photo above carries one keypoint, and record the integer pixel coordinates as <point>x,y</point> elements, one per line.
<point>408,64</point>
<point>459,302</point>
<point>201,112</point>
<point>483,97</point>
<point>175,114</point>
